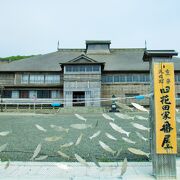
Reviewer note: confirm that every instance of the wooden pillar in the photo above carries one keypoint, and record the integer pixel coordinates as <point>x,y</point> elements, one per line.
<point>164,165</point>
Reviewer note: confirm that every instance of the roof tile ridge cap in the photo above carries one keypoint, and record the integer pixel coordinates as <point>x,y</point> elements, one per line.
<point>116,49</point>
<point>72,49</point>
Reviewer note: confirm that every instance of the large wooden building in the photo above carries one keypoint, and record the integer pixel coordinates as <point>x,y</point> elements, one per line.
<point>80,76</point>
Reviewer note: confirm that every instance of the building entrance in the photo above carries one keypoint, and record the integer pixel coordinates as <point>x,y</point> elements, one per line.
<point>78,98</point>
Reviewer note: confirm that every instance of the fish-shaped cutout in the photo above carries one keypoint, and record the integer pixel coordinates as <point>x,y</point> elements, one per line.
<point>67,145</point>
<point>3,147</point>
<point>141,136</point>
<point>141,117</point>
<point>63,154</point>
<point>128,140</point>
<point>80,117</point>
<point>123,116</point>
<point>4,133</point>
<point>53,138</point>
<point>79,139</point>
<point>95,135</point>
<point>119,129</point>
<point>7,164</point>
<point>118,152</point>
<point>40,158</point>
<point>139,107</point>
<point>110,136</point>
<point>123,106</point>
<point>107,117</point>
<point>81,126</point>
<point>95,160</point>
<point>40,128</point>
<point>81,160</point>
<point>36,152</point>
<point>106,147</point>
<point>138,152</point>
<point>123,167</point>
<point>140,126</point>
<point>59,128</point>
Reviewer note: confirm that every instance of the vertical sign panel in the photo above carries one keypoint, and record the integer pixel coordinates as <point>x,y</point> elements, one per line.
<point>164,99</point>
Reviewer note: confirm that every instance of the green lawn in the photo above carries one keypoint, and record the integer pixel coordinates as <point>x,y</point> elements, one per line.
<point>25,137</point>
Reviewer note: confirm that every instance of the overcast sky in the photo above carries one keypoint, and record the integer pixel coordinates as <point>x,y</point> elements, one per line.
<point>34,26</point>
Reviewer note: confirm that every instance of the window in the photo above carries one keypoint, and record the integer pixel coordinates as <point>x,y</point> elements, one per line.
<point>129,78</point>
<point>89,68</point>
<point>122,78</point>
<point>177,77</point>
<point>144,78</point>
<point>96,68</point>
<point>33,94</point>
<point>116,78</point>
<point>25,78</point>
<point>23,94</point>
<point>7,94</point>
<point>15,94</point>
<point>135,78</point>
<point>82,68</point>
<point>36,79</point>
<point>43,94</point>
<point>51,79</point>
<point>126,78</point>
<point>55,94</point>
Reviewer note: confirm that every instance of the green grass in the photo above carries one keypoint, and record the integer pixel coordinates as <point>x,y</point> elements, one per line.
<point>25,137</point>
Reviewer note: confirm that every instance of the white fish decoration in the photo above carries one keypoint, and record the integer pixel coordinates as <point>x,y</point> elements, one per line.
<point>141,117</point>
<point>7,164</point>
<point>108,117</point>
<point>80,117</point>
<point>36,152</point>
<point>119,129</point>
<point>81,160</point>
<point>67,145</point>
<point>138,152</point>
<point>59,128</point>
<point>106,147</point>
<point>63,155</point>
<point>141,136</point>
<point>79,139</point>
<point>123,106</point>
<point>110,136</point>
<point>139,126</point>
<point>95,160</point>
<point>81,126</point>
<point>128,140</point>
<point>3,147</point>
<point>177,110</point>
<point>139,107</point>
<point>4,133</point>
<point>118,152</point>
<point>123,116</point>
<point>95,135</point>
<point>40,158</point>
<point>123,168</point>
<point>40,128</point>
<point>53,138</point>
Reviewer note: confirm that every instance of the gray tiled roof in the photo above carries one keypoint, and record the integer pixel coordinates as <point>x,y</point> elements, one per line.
<point>117,60</point>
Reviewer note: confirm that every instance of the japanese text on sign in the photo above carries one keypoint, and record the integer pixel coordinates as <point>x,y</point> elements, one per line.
<point>164,94</point>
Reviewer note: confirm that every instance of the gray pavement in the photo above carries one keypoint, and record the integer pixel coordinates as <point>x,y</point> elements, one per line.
<point>76,171</point>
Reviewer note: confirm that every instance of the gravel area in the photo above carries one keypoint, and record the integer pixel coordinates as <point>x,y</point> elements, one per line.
<point>25,136</point>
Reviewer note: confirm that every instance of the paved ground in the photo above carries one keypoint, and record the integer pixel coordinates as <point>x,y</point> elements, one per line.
<point>75,171</point>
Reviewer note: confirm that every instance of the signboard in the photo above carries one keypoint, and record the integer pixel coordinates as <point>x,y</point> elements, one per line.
<point>164,99</point>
